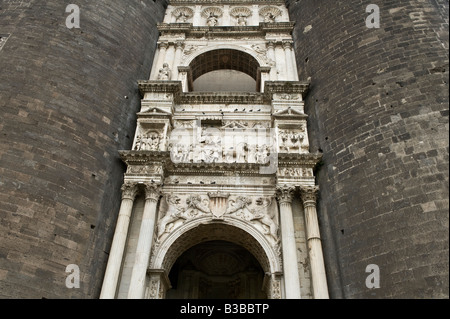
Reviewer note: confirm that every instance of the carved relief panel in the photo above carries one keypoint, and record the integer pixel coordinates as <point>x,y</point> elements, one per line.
<point>232,143</point>
<point>151,135</point>
<point>293,138</point>
<point>259,212</point>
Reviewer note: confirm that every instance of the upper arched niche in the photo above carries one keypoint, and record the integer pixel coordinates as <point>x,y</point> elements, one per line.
<point>224,70</point>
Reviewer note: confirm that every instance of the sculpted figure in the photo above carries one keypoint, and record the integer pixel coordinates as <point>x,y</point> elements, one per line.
<point>266,219</point>
<point>194,205</point>
<point>212,19</point>
<point>173,214</point>
<point>239,207</point>
<point>165,73</point>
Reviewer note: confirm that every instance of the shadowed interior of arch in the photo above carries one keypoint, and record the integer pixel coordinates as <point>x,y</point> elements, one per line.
<point>216,270</point>
<point>225,70</point>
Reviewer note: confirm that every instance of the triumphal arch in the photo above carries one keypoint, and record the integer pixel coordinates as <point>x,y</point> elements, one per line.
<point>219,195</point>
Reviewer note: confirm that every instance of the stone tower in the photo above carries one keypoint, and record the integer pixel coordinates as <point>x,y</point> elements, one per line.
<point>361,112</point>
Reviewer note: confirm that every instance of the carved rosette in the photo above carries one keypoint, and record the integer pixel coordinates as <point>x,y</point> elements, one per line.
<point>152,192</point>
<point>285,194</point>
<point>309,195</point>
<point>129,190</point>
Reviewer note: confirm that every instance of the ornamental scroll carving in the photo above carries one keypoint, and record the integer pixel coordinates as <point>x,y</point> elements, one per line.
<point>178,211</point>
<point>257,211</point>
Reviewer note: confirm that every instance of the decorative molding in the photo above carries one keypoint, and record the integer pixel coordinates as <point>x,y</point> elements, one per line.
<point>230,2</point>
<point>152,191</point>
<point>286,87</point>
<point>285,194</point>
<point>215,31</point>
<point>222,98</point>
<point>129,190</point>
<point>309,195</point>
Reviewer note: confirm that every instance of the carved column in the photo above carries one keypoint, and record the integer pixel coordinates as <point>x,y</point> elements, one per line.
<point>111,278</point>
<point>178,51</point>
<point>170,57</point>
<point>255,15</point>
<point>287,45</point>
<point>197,20</point>
<point>160,59</point>
<point>280,59</point>
<point>319,279</point>
<point>138,275</point>
<point>265,76</point>
<point>289,247</point>
<point>271,56</point>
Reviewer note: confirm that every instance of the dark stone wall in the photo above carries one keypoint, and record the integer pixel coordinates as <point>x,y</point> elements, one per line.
<point>68,99</point>
<point>378,110</point>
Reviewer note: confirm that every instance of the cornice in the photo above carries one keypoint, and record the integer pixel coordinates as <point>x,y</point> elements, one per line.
<point>273,87</point>
<point>270,88</point>
<point>222,98</point>
<point>230,2</point>
<point>217,31</point>
<point>144,157</point>
<point>159,87</point>
<point>288,159</point>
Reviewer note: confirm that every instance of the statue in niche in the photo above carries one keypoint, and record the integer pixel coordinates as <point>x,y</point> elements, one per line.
<point>241,20</point>
<point>182,17</point>
<point>264,218</point>
<point>269,17</point>
<point>212,19</point>
<point>165,73</point>
<point>174,213</point>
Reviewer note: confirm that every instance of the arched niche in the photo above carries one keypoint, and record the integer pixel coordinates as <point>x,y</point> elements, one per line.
<point>232,64</point>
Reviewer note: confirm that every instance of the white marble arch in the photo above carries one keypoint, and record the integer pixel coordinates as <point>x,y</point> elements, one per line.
<point>206,229</point>
<point>201,51</point>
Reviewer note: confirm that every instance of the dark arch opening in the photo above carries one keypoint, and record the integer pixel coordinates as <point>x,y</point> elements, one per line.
<point>216,270</point>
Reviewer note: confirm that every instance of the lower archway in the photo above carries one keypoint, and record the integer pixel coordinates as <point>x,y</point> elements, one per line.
<point>204,233</point>
<point>216,270</point>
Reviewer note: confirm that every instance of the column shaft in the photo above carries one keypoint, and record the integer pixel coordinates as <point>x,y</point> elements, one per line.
<point>289,64</point>
<point>176,63</point>
<point>161,58</point>
<point>289,246</point>
<point>138,275</point>
<point>118,245</point>
<point>319,279</point>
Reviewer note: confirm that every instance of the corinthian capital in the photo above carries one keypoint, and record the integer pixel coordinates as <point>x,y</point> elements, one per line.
<point>285,193</point>
<point>129,190</point>
<point>309,194</point>
<point>152,192</point>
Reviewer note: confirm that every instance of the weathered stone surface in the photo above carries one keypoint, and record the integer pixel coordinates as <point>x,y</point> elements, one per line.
<point>68,100</point>
<point>378,107</point>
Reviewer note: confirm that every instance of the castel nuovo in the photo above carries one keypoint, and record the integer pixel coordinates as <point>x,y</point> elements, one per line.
<point>224,149</point>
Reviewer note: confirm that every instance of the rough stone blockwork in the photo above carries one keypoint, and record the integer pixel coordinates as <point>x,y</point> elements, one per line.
<point>378,110</point>
<point>68,100</point>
